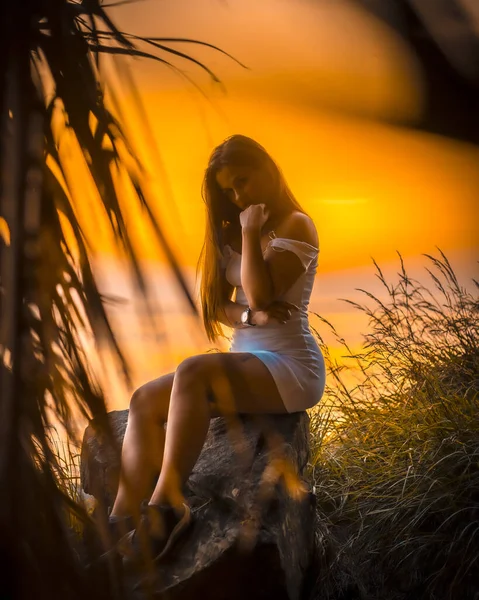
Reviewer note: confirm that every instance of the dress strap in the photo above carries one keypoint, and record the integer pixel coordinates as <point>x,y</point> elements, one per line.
<point>305,251</point>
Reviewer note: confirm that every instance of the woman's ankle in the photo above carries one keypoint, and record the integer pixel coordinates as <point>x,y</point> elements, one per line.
<point>122,508</point>
<point>171,498</point>
<point>117,518</point>
<point>162,518</point>
<point>169,507</point>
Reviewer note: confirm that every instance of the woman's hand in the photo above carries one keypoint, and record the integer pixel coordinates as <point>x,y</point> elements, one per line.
<point>279,311</point>
<point>254,217</point>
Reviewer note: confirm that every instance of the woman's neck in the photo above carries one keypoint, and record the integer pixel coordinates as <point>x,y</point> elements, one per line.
<point>275,220</point>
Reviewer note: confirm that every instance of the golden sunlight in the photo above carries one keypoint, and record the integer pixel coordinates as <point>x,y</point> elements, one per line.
<point>323,103</point>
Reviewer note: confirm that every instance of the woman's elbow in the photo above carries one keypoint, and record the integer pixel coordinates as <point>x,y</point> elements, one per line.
<point>260,303</point>
<point>261,299</point>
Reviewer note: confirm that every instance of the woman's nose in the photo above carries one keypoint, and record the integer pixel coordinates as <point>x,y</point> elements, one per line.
<point>239,200</point>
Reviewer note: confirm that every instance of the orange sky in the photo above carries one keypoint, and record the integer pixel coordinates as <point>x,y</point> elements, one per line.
<point>321,75</point>
<point>371,188</point>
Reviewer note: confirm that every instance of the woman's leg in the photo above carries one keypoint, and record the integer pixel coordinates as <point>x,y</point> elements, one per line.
<point>205,386</point>
<point>142,451</point>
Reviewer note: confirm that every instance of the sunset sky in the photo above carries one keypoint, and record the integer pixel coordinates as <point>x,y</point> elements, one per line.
<point>322,81</point>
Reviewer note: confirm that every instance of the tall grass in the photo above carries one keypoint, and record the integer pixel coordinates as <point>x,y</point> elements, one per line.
<point>394,458</point>
<point>66,455</point>
<point>396,471</point>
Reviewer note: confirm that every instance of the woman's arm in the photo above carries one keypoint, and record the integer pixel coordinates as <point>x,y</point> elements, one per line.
<point>231,314</point>
<point>255,276</point>
<point>266,277</point>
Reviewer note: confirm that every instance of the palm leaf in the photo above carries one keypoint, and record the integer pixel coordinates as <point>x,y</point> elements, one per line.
<point>50,70</point>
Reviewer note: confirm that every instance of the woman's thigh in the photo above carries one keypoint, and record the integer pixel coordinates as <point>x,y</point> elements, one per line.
<point>235,382</point>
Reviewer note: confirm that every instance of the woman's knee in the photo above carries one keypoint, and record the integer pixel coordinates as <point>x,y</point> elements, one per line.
<point>152,399</point>
<point>191,372</point>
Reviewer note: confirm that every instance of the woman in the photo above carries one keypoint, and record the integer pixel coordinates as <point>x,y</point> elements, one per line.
<point>259,241</point>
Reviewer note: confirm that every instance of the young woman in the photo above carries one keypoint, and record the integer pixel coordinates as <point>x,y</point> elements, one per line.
<point>260,242</point>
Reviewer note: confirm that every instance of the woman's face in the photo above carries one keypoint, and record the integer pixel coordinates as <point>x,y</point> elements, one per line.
<point>244,186</point>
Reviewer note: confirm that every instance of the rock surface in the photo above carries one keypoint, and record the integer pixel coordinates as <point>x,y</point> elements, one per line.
<point>253,516</point>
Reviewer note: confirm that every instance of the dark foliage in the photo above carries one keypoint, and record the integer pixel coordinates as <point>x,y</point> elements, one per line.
<point>51,85</point>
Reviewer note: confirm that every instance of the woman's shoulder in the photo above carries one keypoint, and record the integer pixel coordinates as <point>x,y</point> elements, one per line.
<point>299,226</point>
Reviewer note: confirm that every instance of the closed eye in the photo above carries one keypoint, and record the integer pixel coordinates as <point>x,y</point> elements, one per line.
<point>241,180</point>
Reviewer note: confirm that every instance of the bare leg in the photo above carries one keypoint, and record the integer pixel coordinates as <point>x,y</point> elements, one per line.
<point>204,386</point>
<point>143,445</point>
<point>188,422</point>
<point>249,388</point>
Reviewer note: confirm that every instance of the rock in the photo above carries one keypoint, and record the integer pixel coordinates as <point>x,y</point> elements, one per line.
<point>253,530</point>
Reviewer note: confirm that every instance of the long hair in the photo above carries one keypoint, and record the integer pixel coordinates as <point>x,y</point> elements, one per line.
<point>222,219</point>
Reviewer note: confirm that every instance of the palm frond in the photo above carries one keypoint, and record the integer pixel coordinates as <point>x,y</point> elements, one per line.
<point>52,312</point>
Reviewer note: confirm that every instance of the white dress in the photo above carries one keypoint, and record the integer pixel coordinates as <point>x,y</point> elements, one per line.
<point>289,350</point>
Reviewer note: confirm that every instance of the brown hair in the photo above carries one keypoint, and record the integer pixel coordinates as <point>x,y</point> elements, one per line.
<point>222,219</point>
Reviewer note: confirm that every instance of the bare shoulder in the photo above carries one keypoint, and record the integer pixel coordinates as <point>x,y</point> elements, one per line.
<point>298,226</point>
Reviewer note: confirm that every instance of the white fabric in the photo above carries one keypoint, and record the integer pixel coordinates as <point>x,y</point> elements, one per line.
<point>289,350</point>
<point>303,250</point>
